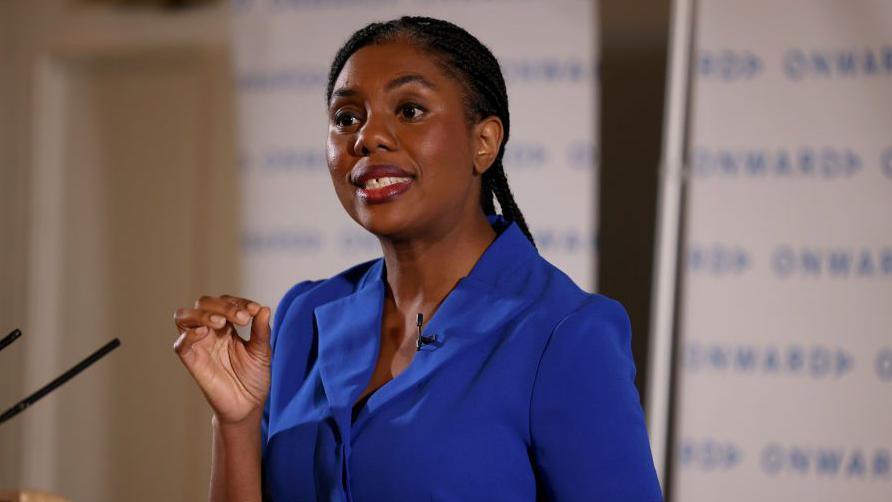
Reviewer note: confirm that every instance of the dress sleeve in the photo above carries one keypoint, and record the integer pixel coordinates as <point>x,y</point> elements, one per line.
<point>589,442</point>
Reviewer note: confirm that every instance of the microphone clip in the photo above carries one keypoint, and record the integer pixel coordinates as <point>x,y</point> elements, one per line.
<point>423,340</point>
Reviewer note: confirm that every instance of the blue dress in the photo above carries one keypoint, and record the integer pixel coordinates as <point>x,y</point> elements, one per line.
<point>527,392</point>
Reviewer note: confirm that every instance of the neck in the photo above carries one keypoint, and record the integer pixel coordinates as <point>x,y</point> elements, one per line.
<point>422,271</point>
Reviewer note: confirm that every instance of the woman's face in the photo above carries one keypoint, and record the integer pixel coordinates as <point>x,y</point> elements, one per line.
<point>400,150</point>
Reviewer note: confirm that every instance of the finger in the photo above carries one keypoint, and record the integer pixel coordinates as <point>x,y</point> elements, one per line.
<point>228,310</point>
<point>259,341</point>
<point>245,304</point>
<point>183,345</point>
<point>186,318</point>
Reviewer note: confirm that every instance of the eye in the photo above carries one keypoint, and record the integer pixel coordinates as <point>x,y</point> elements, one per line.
<point>411,111</point>
<point>345,119</point>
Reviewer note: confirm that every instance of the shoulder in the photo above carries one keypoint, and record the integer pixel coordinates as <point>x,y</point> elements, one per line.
<point>568,306</point>
<point>593,340</point>
<point>570,323</point>
<point>306,295</point>
<point>597,314</point>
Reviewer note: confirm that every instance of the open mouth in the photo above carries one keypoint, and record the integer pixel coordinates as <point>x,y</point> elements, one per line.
<point>375,183</point>
<point>377,190</point>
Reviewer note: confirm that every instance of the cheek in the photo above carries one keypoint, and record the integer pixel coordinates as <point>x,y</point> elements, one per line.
<point>338,158</point>
<point>444,151</point>
<point>339,163</point>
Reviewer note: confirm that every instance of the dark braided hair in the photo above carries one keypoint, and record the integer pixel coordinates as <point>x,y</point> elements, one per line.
<point>462,57</point>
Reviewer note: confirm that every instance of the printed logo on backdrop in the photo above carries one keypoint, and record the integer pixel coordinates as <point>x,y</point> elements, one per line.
<point>806,162</point>
<point>851,262</point>
<point>886,162</point>
<point>729,65</point>
<point>310,241</point>
<point>582,155</point>
<point>827,462</point>
<point>718,259</point>
<point>804,360</point>
<point>292,240</point>
<point>883,364</point>
<point>832,263</point>
<point>305,79</point>
<point>287,160</point>
<point>520,155</point>
<point>529,155</point>
<point>800,64</point>
<point>549,70</point>
<point>710,455</point>
<point>525,155</point>
<point>565,240</point>
<point>356,241</point>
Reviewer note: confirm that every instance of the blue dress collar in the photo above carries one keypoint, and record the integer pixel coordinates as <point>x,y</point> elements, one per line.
<point>349,328</point>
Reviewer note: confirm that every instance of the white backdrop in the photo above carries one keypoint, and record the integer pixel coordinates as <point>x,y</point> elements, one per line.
<point>293,226</point>
<point>786,376</point>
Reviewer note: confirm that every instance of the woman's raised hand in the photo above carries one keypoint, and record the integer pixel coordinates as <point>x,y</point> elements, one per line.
<point>233,374</point>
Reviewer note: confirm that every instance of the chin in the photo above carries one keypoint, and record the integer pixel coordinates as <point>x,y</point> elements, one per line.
<point>387,222</point>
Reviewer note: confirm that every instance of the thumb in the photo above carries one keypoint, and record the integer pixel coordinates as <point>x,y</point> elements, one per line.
<point>259,341</point>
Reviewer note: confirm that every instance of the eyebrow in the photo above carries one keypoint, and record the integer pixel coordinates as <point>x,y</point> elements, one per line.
<point>411,78</point>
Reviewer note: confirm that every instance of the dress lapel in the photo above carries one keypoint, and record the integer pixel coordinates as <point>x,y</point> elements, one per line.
<point>349,335</point>
<point>476,309</point>
<point>349,329</point>
<point>468,316</point>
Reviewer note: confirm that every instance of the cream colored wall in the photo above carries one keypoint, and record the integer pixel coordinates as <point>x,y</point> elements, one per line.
<point>120,203</point>
<point>12,225</point>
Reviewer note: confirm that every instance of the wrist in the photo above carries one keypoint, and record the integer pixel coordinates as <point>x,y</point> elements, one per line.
<point>251,422</point>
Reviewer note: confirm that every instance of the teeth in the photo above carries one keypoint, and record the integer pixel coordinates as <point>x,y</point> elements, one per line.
<point>383,182</point>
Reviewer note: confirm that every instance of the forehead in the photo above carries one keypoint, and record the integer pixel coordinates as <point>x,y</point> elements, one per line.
<point>374,65</point>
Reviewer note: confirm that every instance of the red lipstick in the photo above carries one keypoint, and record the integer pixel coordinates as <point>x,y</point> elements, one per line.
<point>380,183</point>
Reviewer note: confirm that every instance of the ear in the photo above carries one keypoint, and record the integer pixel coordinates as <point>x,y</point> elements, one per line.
<point>487,139</point>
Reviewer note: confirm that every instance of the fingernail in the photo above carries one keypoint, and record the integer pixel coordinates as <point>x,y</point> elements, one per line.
<point>201,330</point>
<point>218,319</point>
<point>242,316</point>
<point>253,306</point>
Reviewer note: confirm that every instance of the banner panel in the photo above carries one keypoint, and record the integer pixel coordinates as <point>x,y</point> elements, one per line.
<point>786,367</point>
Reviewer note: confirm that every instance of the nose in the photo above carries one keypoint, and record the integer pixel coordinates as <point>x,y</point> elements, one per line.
<point>375,135</point>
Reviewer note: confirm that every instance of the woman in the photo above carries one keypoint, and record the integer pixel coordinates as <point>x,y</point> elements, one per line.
<point>461,365</point>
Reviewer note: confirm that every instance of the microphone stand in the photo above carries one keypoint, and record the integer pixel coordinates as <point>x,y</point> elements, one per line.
<point>61,379</point>
<point>11,337</point>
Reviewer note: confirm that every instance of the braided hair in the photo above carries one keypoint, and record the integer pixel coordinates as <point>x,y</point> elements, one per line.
<point>461,56</point>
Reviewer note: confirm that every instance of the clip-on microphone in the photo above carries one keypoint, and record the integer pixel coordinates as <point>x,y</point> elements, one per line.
<point>423,340</point>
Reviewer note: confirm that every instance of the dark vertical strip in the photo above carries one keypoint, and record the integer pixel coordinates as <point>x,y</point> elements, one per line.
<point>634,50</point>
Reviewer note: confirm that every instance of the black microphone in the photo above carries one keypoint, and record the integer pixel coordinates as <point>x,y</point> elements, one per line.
<point>422,340</point>
<point>11,337</point>
<point>64,377</point>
